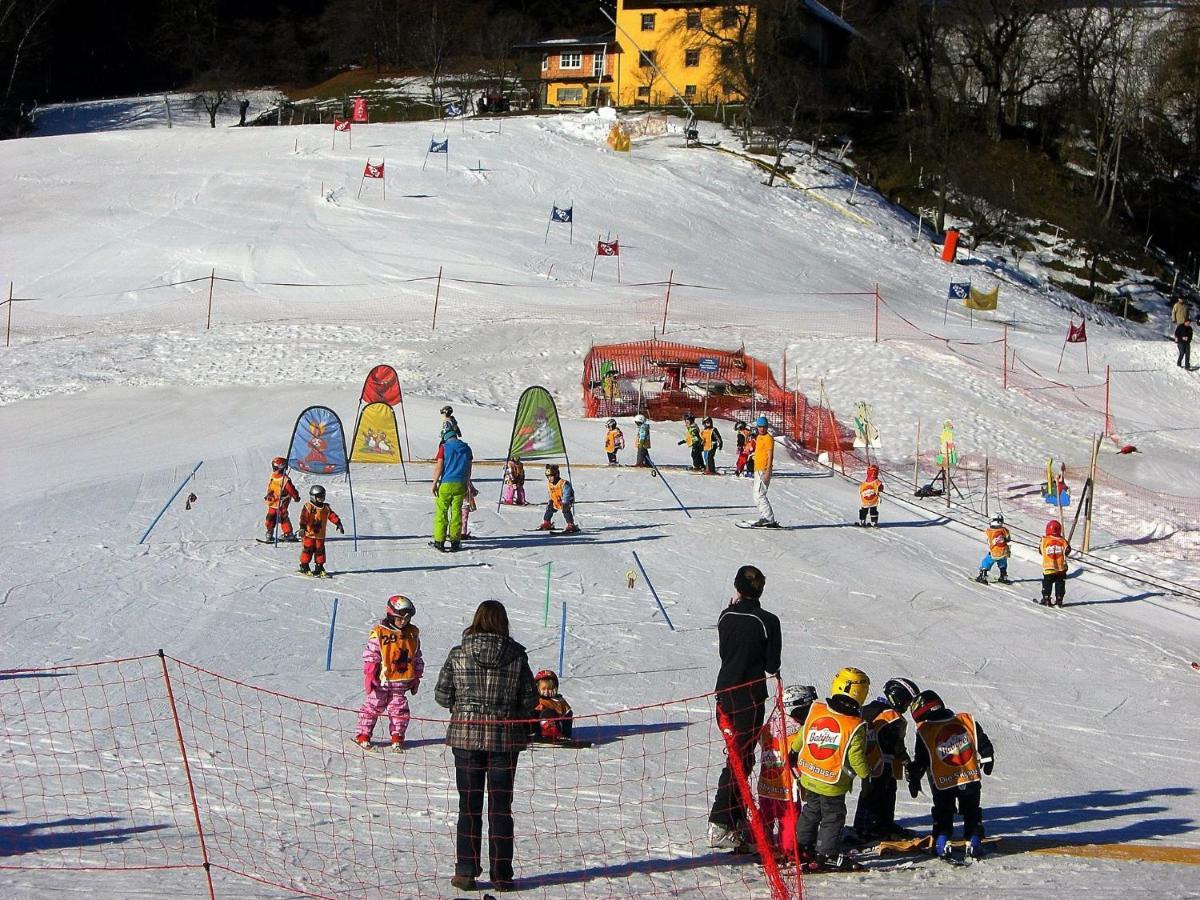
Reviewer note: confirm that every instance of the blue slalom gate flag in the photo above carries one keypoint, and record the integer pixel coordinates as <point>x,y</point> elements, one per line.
<point>959,290</point>
<point>561,215</point>
<point>453,110</point>
<point>439,146</point>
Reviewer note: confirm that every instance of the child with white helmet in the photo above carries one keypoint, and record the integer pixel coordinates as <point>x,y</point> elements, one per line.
<point>778,791</point>
<point>392,667</point>
<point>643,441</point>
<point>998,551</point>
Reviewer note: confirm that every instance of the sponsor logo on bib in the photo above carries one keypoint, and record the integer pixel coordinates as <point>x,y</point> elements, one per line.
<point>954,745</point>
<point>824,738</point>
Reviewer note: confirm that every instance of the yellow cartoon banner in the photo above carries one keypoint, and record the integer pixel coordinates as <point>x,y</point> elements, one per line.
<point>376,439</point>
<point>980,300</point>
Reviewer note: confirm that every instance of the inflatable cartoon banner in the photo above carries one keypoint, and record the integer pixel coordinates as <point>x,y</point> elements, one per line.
<point>536,432</point>
<point>376,438</point>
<point>319,443</point>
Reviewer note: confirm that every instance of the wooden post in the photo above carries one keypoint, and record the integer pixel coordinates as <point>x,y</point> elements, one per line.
<point>877,312</point>
<point>986,480</point>
<point>1004,364</point>
<point>212,276</point>
<point>1107,398</point>
<point>8,328</point>
<point>436,296</point>
<point>1090,492</point>
<point>917,458</point>
<point>667,301</point>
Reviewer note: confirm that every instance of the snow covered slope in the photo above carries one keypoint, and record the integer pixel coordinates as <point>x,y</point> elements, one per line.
<point>113,390</point>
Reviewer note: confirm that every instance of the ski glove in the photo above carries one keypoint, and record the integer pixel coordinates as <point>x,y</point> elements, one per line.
<point>681,443</point>
<point>340,529</point>
<point>987,765</point>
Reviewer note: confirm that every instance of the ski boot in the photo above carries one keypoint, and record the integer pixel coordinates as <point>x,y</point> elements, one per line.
<point>363,741</point>
<point>455,546</point>
<point>291,538</point>
<point>1004,579</point>
<point>975,847</point>
<point>941,847</point>
<point>269,537</point>
<point>838,862</point>
<point>1045,601</point>
<point>571,529</point>
<point>397,744</point>
<point>318,571</point>
<point>545,526</point>
<point>1058,602</point>
<point>982,576</point>
<point>304,570</point>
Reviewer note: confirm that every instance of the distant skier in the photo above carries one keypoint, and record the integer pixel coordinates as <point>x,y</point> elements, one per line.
<point>999,550</point>
<point>869,492</point>
<point>1183,340</point>
<point>952,750</point>
<point>449,424</point>
<point>1055,551</point>
<point>553,712</point>
<point>392,667</point>
<point>710,443</point>
<point>514,482</point>
<point>745,450</point>
<point>830,750</point>
<point>691,437</point>
<point>875,818</point>
<point>778,791</point>
<point>562,498</point>
<point>643,442</point>
<point>280,492</point>
<point>614,441</point>
<point>314,518</point>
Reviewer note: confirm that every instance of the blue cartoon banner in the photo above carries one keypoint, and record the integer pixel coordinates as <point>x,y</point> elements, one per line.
<point>319,443</point>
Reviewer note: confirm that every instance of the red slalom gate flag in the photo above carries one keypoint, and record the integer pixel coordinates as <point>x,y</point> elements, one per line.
<point>373,171</point>
<point>1077,335</point>
<point>360,109</point>
<point>608,248</point>
<point>341,124</point>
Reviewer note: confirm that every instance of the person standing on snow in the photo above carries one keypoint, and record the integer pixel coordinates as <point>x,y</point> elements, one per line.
<point>778,797</point>
<point>1055,551</point>
<point>764,465</point>
<point>280,492</point>
<point>869,492</point>
<point>710,443</point>
<point>749,642</point>
<point>392,667</point>
<point>998,551</point>
<point>953,750</point>
<point>314,518</point>
<point>875,818</point>
<point>1183,340</point>
<point>691,437</point>
<point>487,685</point>
<point>562,497</point>
<point>451,475</point>
<point>614,441</point>
<point>643,442</point>
<point>449,424</point>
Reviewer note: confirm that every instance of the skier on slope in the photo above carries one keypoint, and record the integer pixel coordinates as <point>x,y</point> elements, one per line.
<point>778,791</point>
<point>999,550</point>
<point>1055,551</point>
<point>869,492</point>
<point>875,817</point>
<point>553,712</point>
<point>562,497</point>
<point>691,437</point>
<point>826,776</point>
<point>643,441</point>
<point>314,518</point>
<point>392,667</point>
<point>764,465</point>
<point>614,441</point>
<point>280,492</point>
<point>710,442</point>
<point>953,750</point>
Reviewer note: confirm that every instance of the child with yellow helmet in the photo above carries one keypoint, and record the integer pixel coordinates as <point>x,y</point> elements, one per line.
<point>829,750</point>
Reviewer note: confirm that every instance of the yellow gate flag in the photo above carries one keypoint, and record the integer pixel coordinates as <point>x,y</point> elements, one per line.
<point>618,138</point>
<point>980,300</point>
<point>376,439</point>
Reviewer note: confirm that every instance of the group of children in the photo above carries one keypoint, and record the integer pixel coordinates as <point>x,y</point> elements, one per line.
<point>814,750</point>
<point>315,516</point>
<point>392,668</point>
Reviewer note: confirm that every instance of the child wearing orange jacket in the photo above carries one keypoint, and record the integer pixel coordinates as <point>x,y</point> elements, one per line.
<point>1055,551</point>
<point>869,493</point>
<point>315,516</point>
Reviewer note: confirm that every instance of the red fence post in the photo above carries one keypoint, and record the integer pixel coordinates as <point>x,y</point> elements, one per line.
<point>187,771</point>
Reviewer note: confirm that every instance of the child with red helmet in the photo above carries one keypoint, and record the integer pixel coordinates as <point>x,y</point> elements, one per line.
<point>1055,551</point>
<point>869,492</point>
<point>280,492</point>
<point>554,713</point>
<point>392,667</point>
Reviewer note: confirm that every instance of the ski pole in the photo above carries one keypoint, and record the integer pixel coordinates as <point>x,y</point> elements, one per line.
<point>332,623</point>
<point>653,592</point>
<point>659,473</point>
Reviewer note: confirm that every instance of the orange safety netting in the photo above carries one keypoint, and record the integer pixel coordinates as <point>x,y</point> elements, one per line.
<point>664,380</point>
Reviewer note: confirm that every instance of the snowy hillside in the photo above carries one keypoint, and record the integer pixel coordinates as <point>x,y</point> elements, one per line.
<point>113,389</point>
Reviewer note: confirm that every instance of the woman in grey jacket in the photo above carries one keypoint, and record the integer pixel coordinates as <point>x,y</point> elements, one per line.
<point>487,685</point>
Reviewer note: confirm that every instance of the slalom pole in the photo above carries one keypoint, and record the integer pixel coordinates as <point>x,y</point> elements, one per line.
<point>182,484</point>
<point>659,473</point>
<point>562,640</point>
<point>653,592</point>
<point>332,624</point>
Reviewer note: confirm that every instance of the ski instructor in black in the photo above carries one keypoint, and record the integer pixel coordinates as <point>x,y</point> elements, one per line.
<point>750,644</point>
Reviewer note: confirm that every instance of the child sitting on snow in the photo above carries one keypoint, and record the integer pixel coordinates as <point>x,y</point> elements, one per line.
<point>553,711</point>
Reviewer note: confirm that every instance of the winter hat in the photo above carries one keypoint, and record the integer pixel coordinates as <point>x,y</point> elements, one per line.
<point>749,582</point>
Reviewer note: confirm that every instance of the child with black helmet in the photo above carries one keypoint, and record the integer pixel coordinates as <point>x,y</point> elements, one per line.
<point>392,667</point>
<point>830,750</point>
<point>710,443</point>
<point>562,497</point>
<point>952,749</point>
<point>875,817</point>
<point>449,424</point>
<point>778,791</point>
<point>691,437</point>
<point>314,518</point>
<point>554,713</point>
<point>614,441</point>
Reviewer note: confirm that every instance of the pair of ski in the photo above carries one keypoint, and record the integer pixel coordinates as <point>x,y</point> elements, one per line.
<point>559,744</point>
<point>308,573</point>
<point>758,524</point>
<point>378,745</point>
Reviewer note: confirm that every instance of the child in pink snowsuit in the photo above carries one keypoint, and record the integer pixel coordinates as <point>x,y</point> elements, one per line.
<point>468,506</point>
<point>514,482</point>
<point>392,667</point>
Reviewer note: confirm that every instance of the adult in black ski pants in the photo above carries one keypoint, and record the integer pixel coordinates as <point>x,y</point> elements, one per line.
<point>750,645</point>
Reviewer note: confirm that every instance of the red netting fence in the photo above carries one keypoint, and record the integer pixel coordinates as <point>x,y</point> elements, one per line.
<point>148,765</point>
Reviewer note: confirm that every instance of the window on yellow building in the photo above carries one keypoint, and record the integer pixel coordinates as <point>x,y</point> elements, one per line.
<point>570,60</point>
<point>645,59</point>
<point>643,92</point>
<point>647,21</point>
<point>545,61</point>
<point>569,95</point>
<point>689,91</point>
<point>597,65</point>
<point>691,57</point>
<point>693,20</point>
<point>729,17</point>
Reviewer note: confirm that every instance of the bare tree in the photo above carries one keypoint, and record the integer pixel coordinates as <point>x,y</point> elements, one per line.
<point>20,21</point>
<point>210,100</point>
<point>995,37</point>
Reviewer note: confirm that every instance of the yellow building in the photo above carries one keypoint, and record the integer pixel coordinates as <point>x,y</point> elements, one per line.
<point>574,71</point>
<point>692,45</point>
